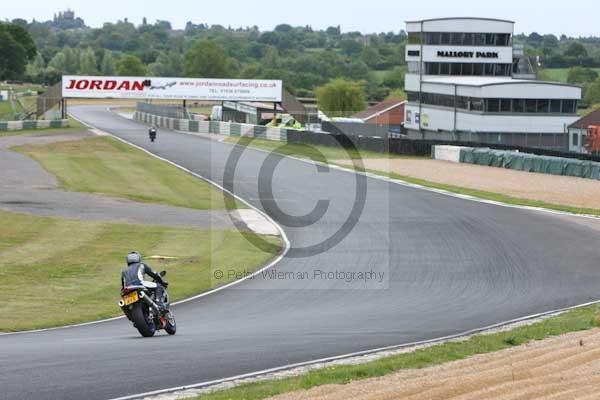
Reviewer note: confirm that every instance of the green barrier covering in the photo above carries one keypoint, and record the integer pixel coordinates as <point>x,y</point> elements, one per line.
<point>213,127</point>
<point>235,129</point>
<point>530,162</point>
<point>260,131</point>
<point>194,126</point>
<point>29,124</point>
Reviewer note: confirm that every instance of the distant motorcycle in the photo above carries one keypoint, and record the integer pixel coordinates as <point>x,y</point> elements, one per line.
<point>152,134</point>
<point>140,306</point>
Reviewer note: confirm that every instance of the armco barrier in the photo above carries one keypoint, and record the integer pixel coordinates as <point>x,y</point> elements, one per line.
<point>520,161</point>
<point>33,124</point>
<point>215,127</point>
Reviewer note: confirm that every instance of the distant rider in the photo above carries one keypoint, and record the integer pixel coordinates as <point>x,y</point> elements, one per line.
<point>152,133</point>
<point>134,276</point>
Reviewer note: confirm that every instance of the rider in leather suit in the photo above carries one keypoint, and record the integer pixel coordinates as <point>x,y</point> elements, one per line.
<point>134,274</point>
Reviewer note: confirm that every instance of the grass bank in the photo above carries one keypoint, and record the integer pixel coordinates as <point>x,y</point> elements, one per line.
<point>55,271</point>
<point>327,154</point>
<point>576,320</point>
<point>104,165</point>
<point>313,152</point>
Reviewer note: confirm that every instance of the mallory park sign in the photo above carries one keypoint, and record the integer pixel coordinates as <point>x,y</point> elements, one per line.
<point>467,54</point>
<point>121,87</point>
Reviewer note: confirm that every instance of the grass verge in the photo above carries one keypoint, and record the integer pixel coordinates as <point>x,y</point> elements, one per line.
<point>576,320</point>
<point>313,152</point>
<point>103,165</point>
<point>55,271</point>
<point>325,154</point>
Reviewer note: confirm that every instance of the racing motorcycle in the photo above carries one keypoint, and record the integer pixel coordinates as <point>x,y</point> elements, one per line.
<point>140,306</point>
<point>152,134</point>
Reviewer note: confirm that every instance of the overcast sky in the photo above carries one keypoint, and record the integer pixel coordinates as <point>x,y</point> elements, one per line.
<point>573,17</point>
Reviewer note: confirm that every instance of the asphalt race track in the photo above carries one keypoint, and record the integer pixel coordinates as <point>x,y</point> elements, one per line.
<point>447,265</point>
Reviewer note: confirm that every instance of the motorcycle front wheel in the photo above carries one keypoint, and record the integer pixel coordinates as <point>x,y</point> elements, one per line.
<point>171,326</point>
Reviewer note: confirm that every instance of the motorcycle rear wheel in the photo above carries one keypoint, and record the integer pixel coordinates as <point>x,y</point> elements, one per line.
<point>140,321</point>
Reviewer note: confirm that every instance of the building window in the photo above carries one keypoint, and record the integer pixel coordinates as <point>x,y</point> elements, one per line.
<point>490,39</point>
<point>479,39</point>
<point>477,70</point>
<point>502,39</point>
<point>432,69</point>
<point>492,105</point>
<point>444,69</point>
<point>433,38</point>
<point>456,39</point>
<point>575,139</point>
<point>542,106</point>
<point>518,105</point>
<point>489,105</point>
<point>555,106</point>
<point>569,107</point>
<point>467,39</point>
<point>455,69</point>
<point>445,38</point>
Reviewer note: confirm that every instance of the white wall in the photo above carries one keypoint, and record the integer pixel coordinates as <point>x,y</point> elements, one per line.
<point>505,54</point>
<point>461,25</point>
<point>443,119</point>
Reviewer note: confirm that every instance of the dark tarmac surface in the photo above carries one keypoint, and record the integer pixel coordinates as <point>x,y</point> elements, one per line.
<point>449,265</point>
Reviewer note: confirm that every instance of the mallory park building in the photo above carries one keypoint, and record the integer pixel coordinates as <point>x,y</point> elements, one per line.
<point>467,82</point>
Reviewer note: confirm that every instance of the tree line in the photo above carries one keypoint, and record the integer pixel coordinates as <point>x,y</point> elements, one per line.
<point>304,58</point>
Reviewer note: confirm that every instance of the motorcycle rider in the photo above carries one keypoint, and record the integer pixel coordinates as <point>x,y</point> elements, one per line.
<point>152,133</point>
<point>133,275</point>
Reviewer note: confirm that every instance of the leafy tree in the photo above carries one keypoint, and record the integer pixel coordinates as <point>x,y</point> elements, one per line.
<point>206,60</point>
<point>592,93</point>
<point>35,69</point>
<point>108,64</point>
<point>341,97</point>
<point>87,63</point>
<point>71,60</point>
<point>129,65</point>
<point>13,57</point>
<point>351,47</point>
<point>166,64</point>
<point>581,75</point>
<point>59,62</point>
<point>577,50</point>
<point>394,78</point>
<point>21,36</point>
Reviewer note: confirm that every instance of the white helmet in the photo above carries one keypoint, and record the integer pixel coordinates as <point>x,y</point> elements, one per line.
<point>134,258</point>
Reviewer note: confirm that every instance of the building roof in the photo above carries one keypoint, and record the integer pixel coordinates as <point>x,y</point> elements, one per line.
<point>592,118</point>
<point>453,18</point>
<point>479,81</point>
<point>379,109</point>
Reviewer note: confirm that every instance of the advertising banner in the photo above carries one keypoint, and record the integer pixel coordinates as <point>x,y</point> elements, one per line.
<point>122,87</point>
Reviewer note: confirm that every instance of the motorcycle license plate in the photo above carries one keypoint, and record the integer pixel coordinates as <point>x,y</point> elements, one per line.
<point>130,298</point>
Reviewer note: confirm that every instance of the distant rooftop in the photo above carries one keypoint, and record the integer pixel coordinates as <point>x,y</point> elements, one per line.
<point>455,18</point>
<point>592,118</point>
<point>486,81</point>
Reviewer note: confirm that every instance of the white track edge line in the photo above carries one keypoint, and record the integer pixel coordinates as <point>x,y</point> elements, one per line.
<point>351,355</point>
<point>394,347</point>
<point>218,289</point>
